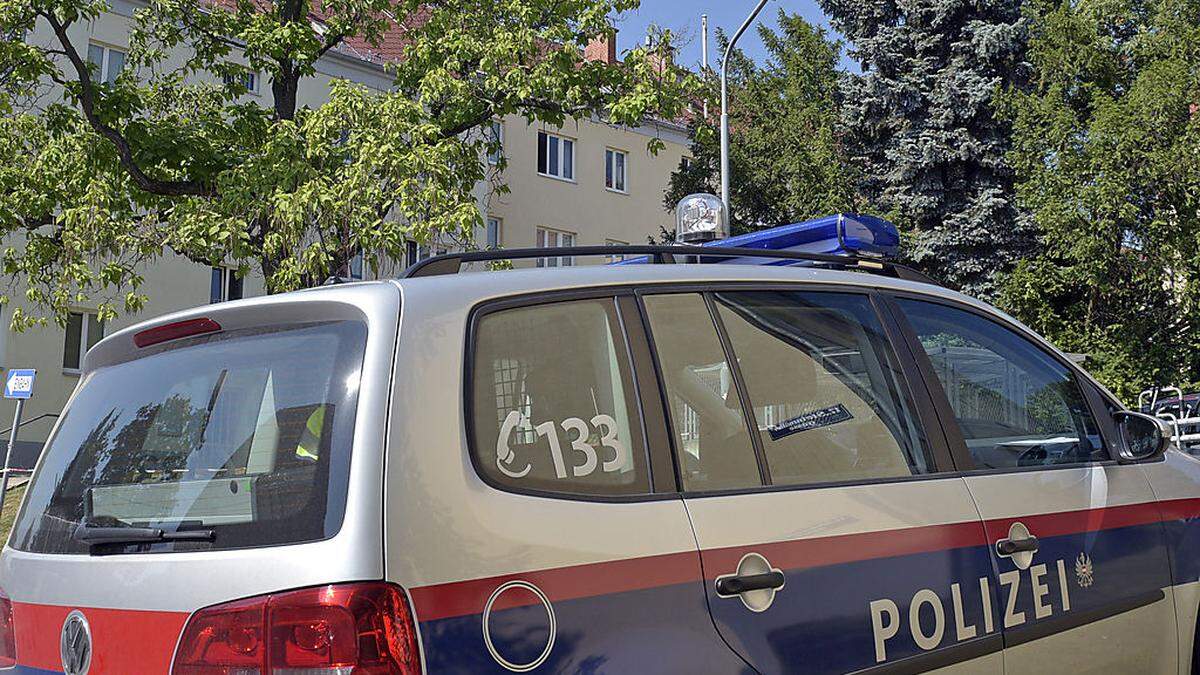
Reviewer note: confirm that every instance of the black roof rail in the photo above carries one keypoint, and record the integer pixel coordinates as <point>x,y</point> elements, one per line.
<point>451,263</point>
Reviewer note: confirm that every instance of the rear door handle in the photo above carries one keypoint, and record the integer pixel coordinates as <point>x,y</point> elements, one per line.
<point>1011,546</point>
<point>735,585</point>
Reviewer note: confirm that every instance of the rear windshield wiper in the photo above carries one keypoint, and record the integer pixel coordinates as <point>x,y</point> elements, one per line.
<point>95,535</point>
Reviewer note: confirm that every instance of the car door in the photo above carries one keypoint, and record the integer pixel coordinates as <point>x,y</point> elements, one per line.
<point>830,541</point>
<point>539,534</point>
<point>1078,548</point>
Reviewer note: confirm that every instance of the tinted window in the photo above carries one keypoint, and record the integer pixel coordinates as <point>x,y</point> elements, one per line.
<point>553,404</point>
<point>1015,404</point>
<point>232,432</point>
<point>825,388</point>
<point>715,450</point>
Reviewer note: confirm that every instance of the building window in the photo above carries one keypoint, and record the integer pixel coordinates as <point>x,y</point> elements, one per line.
<point>685,163</point>
<point>547,238</point>
<point>556,156</point>
<point>496,139</point>
<point>249,80</point>
<point>616,257</point>
<point>84,330</point>
<point>109,61</point>
<point>614,169</point>
<point>417,252</point>
<point>225,285</point>
<point>494,231</point>
<point>354,267</point>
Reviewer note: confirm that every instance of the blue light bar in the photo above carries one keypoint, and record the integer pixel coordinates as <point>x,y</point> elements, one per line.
<point>851,234</point>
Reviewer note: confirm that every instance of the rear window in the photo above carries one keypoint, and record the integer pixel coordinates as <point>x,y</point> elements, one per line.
<point>247,433</point>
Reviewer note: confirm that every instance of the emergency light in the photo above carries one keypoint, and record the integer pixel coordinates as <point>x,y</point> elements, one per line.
<point>700,218</point>
<point>849,234</point>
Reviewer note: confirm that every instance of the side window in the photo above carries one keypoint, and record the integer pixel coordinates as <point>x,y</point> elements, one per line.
<point>714,446</point>
<point>553,405</point>
<point>828,399</point>
<point>1015,404</point>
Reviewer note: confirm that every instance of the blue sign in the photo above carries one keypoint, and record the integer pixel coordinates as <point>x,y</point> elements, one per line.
<point>19,383</point>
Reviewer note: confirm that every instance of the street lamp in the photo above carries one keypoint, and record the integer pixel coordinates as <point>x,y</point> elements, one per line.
<point>725,107</point>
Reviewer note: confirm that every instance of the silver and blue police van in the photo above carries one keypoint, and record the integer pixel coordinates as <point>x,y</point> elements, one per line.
<point>816,463</point>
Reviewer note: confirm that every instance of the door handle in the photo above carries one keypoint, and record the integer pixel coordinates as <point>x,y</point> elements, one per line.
<point>735,585</point>
<point>1010,546</point>
<point>755,582</point>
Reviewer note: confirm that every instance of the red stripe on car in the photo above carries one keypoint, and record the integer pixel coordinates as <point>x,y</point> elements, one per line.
<point>463,598</point>
<point>123,640</point>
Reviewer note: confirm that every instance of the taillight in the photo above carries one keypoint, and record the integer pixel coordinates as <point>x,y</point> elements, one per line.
<point>8,640</point>
<point>174,331</point>
<point>341,629</point>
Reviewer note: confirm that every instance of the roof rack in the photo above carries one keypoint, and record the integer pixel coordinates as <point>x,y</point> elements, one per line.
<point>451,263</point>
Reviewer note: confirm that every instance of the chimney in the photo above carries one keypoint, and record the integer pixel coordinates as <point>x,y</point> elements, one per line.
<point>602,48</point>
<point>661,63</point>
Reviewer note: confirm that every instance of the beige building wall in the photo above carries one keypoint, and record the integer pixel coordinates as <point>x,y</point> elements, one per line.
<point>583,207</point>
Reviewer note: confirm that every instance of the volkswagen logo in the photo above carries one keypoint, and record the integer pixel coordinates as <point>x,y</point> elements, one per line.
<point>75,644</point>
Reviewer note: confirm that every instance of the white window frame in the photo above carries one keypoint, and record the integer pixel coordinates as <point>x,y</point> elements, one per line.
<point>251,75</point>
<point>227,274</point>
<point>566,170</point>
<point>106,51</point>
<point>616,257</point>
<point>548,237</point>
<point>496,133</point>
<point>498,241</point>
<point>612,181</point>
<point>85,316</point>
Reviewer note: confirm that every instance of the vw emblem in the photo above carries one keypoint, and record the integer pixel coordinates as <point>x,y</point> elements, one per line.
<point>75,644</point>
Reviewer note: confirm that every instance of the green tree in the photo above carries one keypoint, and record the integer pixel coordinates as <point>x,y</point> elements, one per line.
<point>786,161</point>
<point>1107,149</point>
<point>921,127</point>
<point>171,156</point>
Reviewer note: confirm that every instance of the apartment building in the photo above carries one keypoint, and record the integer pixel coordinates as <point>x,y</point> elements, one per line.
<point>585,183</point>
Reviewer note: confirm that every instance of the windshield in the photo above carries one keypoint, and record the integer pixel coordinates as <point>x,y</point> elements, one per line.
<point>246,433</point>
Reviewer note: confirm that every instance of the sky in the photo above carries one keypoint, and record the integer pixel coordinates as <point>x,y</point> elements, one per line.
<point>682,17</point>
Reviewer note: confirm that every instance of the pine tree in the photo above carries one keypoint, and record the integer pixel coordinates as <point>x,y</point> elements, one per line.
<point>921,125</point>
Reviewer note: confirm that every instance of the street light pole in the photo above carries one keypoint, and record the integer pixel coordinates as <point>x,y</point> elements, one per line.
<point>725,106</point>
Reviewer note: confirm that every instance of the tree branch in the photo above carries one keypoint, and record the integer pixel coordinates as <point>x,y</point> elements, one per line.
<point>188,21</point>
<point>87,101</point>
<point>330,43</point>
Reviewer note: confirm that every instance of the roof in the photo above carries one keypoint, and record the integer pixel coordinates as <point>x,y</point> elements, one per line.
<point>391,44</point>
<point>472,287</point>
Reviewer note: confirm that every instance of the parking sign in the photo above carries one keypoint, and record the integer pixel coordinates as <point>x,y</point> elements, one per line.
<point>19,383</point>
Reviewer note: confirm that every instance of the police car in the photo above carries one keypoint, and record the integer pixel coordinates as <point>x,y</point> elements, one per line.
<point>817,464</point>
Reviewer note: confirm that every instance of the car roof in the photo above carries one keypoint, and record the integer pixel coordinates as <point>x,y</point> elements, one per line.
<point>470,287</point>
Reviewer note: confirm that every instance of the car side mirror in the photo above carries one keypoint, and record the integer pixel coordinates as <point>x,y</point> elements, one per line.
<point>1142,437</point>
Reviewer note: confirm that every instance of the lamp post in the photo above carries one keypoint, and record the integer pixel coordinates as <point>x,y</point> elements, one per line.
<point>725,107</point>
